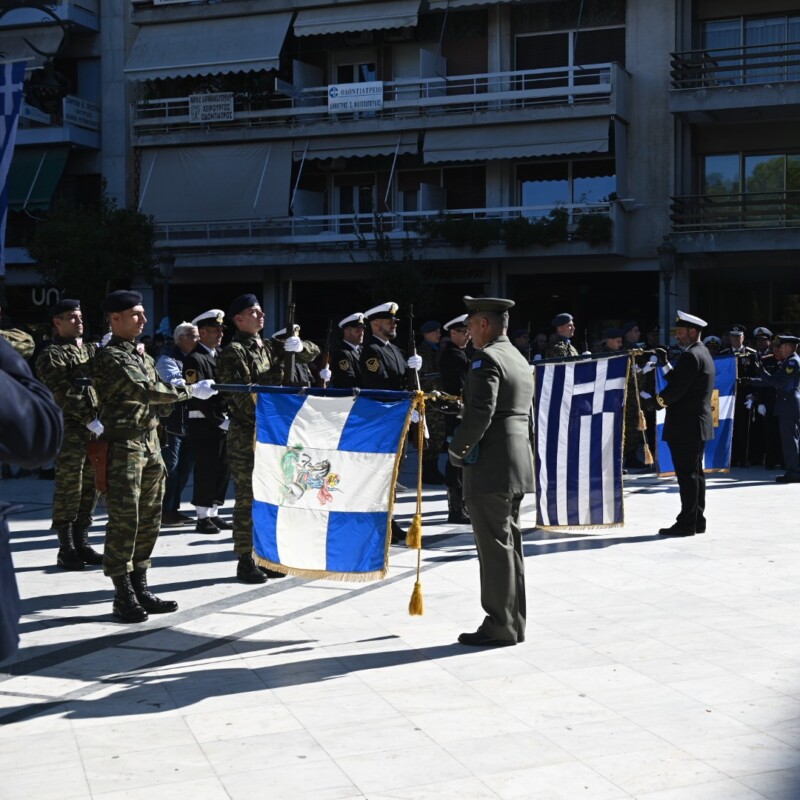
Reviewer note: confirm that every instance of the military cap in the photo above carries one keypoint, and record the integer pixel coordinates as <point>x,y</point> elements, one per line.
<point>383,311</point>
<point>457,322</point>
<point>737,330</point>
<point>354,320</point>
<point>629,326</point>
<point>561,319</point>
<point>714,339</point>
<point>430,326</point>
<point>242,302</point>
<point>496,304</point>
<point>62,306</point>
<point>785,338</point>
<point>213,317</point>
<point>686,320</point>
<point>613,333</point>
<point>121,300</point>
<point>761,331</point>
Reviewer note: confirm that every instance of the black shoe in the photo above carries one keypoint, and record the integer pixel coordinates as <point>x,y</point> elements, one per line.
<point>147,600</point>
<point>206,525</point>
<point>68,557</point>
<point>456,512</point>
<point>221,523</point>
<point>399,487</point>
<point>272,573</point>
<point>248,572</point>
<point>86,552</point>
<point>675,530</point>
<point>171,518</point>
<point>479,639</point>
<point>398,534</point>
<point>126,607</point>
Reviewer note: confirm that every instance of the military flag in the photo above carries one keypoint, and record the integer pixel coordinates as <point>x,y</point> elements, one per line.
<point>326,462</point>
<point>12,77</point>
<point>717,456</point>
<point>578,442</point>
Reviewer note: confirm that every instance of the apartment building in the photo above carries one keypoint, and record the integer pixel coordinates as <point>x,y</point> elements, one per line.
<point>614,158</point>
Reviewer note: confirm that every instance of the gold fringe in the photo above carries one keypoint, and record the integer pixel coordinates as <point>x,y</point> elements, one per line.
<point>642,420</point>
<point>567,528</point>
<point>648,456</point>
<point>416,606</point>
<point>414,535</point>
<point>321,574</point>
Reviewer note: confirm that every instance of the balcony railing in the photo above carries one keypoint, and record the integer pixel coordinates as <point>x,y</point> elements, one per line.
<point>736,66</point>
<point>407,97</point>
<point>736,212</point>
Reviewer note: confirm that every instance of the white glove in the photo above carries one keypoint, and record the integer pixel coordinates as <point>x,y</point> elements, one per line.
<point>225,424</point>
<point>202,390</point>
<point>95,426</point>
<point>414,362</point>
<point>325,374</point>
<point>762,409</point>
<point>105,339</point>
<point>666,369</point>
<point>649,366</point>
<point>415,415</point>
<point>586,353</point>
<point>293,344</point>
<point>645,395</point>
<point>749,402</point>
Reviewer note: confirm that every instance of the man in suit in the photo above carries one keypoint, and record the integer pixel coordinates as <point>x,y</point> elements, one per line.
<point>345,367</point>
<point>493,446</point>
<point>688,424</point>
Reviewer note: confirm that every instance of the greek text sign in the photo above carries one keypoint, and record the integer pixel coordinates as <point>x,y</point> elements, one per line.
<point>216,107</point>
<point>355,96</point>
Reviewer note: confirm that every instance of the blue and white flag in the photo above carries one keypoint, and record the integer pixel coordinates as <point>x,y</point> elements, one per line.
<point>717,456</point>
<point>578,435</point>
<point>323,481</point>
<point>12,77</point>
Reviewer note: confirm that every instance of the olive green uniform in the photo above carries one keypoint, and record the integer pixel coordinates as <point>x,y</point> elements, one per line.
<point>561,348</point>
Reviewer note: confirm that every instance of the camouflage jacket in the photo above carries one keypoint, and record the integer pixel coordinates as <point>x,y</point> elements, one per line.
<point>560,349</point>
<point>22,342</point>
<point>130,394</point>
<point>58,366</point>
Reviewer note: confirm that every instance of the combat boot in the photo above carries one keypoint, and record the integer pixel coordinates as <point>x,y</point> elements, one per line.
<point>456,513</point>
<point>68,557</point>
<point>148,601</point>
<point>126,607</point>
<point>247,571</point>
<point>86,552</point>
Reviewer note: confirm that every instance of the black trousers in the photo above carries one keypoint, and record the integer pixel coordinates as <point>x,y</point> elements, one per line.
<point>211,471</point>
<point>687,456</point>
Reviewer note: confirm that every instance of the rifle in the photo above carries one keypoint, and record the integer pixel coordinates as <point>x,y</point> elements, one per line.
<point>291,330</point>
<point>585,340</point>
<point>414,384</point>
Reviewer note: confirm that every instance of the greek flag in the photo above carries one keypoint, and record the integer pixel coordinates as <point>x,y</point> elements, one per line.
<point>326,462</point>
<point>717,456</point>
<point>12,76</point>
<point>578,442</point>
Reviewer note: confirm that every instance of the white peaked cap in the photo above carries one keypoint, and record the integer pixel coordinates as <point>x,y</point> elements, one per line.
<point>358,318</point>
<point>460,320</point>
<point>690,319</point>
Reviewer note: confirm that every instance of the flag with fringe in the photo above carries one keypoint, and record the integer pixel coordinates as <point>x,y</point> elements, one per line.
<point>326,462</point>
<point>578,422</point>
<point>717,455</point>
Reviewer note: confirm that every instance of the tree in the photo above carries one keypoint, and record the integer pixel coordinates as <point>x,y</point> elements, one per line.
<point>87,252</point>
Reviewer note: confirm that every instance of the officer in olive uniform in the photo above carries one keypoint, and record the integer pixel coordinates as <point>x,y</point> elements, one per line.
<point>688,424</point>
<point>131,397</point>
<point>743,409</point>
<point>565,330</point>
<point>430,378</point>
<point>67,359</point>
<point>207,425</point>
<point>786,382</point>
<point>493,446</point>
<point>345,361</point>
<point>249,359</point>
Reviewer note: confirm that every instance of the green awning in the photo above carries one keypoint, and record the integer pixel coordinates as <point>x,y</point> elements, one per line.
<point>34,175</point>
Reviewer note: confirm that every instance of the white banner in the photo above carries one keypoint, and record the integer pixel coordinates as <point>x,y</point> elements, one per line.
<point>216,107</point>
<point>366,96</point>
<point>82,113</point>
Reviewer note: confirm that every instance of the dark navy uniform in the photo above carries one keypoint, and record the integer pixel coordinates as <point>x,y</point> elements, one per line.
<point>345,366</point>
<point>383,365</point>
<point>743,410</point>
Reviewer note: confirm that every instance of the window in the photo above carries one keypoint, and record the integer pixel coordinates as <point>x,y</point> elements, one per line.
<point>545,186</point>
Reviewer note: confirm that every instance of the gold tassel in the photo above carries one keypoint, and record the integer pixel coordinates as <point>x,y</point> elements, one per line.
<point>642,421</point>
<point>648,456</point>
<point>414,534</point>
<point>416,607</point>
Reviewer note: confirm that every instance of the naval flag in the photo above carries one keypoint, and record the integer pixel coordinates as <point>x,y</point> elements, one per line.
<point>326,462</point>
<point>578,435</point>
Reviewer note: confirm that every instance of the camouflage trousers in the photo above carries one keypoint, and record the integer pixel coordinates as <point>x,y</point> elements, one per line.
<point>136,477</point>
<point>241,458</point>
<point>434,444</point>
<point>74,495</point>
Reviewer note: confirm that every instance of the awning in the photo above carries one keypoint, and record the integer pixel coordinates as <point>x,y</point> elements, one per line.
<point>441,5</point>
<point>206,47</point>
<point>215,182</point>
<point>535,139</point>
<point>34,175</point>
<point>376,144</point>
<point>357,17</point>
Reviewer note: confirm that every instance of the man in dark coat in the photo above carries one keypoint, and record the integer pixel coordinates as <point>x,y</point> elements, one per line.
<point>345,367</point>
<point>689,423</point>
<point>383,365</point>
<point>493,446</point>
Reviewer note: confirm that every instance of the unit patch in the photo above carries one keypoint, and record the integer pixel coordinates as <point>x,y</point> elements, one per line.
<point>373,365</point>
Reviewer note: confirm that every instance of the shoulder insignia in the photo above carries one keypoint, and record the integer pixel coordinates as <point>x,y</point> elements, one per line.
<point>789,370</point>
<point>344,365</point>
<point>373,365</point>
<point>476,364</point>
<point>191,376</point>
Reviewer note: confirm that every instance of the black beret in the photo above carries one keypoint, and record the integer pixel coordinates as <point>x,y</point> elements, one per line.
<point>613,333</point>
<point>121,300</point>
<point>629,326</point>
<point>561,319</point>
<point>242,302</point>
<point>430,326</point>
<point>62,306</point>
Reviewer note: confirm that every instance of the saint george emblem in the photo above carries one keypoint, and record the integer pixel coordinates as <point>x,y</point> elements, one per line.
<point>300,475</point>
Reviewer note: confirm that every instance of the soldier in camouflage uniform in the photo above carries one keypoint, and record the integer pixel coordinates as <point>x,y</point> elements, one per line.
<point>430,379</point>
<point>22,342</point>
<point>131,398</point>
<point>249,359</point>
<point>67,359</point>
<point>565,330</point>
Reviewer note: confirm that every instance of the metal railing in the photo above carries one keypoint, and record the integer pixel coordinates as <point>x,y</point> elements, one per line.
<point>736,66</point>
<point>406,97</point>
<point>735,212</point>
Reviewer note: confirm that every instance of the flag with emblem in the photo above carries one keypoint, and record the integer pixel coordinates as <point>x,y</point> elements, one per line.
<point>578,442</point>
<point>326,463</point>
<point>717,455</point>
<point>12,77</point>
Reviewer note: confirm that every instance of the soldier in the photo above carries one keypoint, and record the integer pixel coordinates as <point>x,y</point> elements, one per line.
<point>764,433</point>
<point>631,334</point>
<point>22,342</point>
<point>430,379</point>
<point>131,395</point>
<point>345,366</point>
<point>493,446</point>
<point>67,359</point>
<point>208,426</point>
<point>521,339</point>
<point>612,340</point>
<point>743,405</point>
<point>302,373</point>
<point>454,365</point>
<point>713,345</point>
<point>565,330</point>
<point>250,360</point>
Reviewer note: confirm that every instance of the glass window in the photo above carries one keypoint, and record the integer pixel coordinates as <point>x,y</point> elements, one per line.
<point>593,181</point>
<point>718,39</point>
<point>721,175</point>
<point>764,36</point>
<point>543,187</point>
<point>764,174</point>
